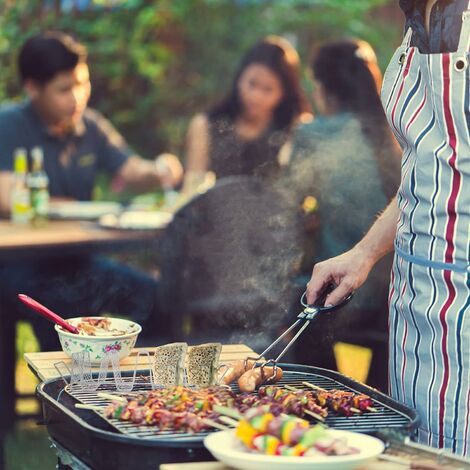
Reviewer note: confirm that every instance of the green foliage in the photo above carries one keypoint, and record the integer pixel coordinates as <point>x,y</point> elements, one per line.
<point>154,63</point>
<point>25,339</point>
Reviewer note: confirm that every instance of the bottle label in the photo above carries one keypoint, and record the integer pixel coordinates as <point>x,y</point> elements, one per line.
<point>21,206</point>
<point>40,202</point>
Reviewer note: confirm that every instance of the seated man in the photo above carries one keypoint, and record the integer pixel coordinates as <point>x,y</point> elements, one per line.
<point>78,143</point>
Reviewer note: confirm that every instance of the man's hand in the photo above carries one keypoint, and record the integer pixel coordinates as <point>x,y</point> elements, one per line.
<point>347,272</point>
<point>169,169</point>
<point>145,175</point>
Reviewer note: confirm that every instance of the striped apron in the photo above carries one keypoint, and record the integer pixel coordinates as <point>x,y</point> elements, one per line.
<point>427,101</point>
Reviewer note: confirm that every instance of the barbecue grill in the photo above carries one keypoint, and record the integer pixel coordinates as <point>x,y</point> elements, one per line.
<point>109,443</point>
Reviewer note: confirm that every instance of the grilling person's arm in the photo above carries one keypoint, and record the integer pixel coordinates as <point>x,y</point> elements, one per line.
<point>117,159</point>
<point>350,270</point>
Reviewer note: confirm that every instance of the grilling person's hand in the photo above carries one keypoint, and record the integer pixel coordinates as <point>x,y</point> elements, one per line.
<point>350,270</point>
<point>347,272</point>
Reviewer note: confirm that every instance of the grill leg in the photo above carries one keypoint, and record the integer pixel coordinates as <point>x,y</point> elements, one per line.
<point>7,369</point>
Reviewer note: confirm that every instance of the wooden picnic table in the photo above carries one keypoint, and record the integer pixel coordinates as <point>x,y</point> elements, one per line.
<point>42,363</point>
<point>66,237</point>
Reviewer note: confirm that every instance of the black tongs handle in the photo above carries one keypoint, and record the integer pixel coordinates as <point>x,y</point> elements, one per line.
<point>324,309</point>
<point>311,311</point>
<point>307,314</point>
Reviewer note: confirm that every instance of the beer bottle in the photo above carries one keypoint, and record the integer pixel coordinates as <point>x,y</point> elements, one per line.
<point>38,184</point>
<point>20,196</point>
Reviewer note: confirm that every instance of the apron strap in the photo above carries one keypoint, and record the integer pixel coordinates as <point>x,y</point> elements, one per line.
<point>407,39</point>
<point>464,42</point>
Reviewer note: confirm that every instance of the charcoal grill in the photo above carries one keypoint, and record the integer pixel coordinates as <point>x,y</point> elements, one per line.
<point>102,443</point>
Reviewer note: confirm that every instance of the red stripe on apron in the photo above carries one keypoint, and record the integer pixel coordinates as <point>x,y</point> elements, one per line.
<point>456,178</point>
<point>400,91</point>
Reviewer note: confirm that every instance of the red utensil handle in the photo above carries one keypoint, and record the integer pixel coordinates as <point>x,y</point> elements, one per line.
<point>45,312</point>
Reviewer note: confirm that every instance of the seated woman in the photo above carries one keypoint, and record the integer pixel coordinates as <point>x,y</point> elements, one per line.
<point>335,158</point>
<point>245,132</point>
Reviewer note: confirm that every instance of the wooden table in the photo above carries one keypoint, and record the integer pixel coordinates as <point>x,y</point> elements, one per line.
<point>60,238</point>
<point>55,238</point>
<point>42,363</point>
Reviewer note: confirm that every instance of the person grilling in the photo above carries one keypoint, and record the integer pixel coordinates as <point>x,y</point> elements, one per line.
<point>425,95</point>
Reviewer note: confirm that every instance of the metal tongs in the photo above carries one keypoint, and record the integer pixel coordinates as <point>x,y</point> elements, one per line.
<point>306,315</point>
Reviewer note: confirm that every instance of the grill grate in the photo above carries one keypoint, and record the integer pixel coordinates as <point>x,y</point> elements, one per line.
<point>386,416</point>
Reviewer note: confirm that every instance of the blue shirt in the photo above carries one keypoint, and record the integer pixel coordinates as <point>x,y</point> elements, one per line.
<point>333,161</point>
<point>71,162</point>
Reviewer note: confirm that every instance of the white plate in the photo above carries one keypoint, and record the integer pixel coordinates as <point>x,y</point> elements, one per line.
<point>224,446</point>
<point>137,220</point>
<point>84,210</point>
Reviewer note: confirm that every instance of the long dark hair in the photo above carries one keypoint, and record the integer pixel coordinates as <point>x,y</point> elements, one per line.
<point>349,74</point>
<point>282,59</point>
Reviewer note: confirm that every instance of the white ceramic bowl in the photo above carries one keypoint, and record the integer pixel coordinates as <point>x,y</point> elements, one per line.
<point>97,346</point>
<point>224,446</point>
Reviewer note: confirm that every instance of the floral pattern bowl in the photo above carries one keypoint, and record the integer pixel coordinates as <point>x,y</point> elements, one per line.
<point>98,346</point>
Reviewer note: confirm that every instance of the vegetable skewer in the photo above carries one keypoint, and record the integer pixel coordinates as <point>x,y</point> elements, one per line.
<point>340,398</point>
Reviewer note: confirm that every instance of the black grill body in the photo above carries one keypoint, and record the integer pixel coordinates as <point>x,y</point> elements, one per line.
<point>101,444</point>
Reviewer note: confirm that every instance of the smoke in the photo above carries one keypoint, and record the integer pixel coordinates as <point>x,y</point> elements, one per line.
<point>334,162</point>
<point>231,256</point>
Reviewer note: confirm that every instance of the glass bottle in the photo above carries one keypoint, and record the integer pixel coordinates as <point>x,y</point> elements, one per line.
<point>20,196</point>
<point>38,184</point>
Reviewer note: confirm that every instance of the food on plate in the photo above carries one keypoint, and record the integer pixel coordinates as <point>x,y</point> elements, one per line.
<point>168,364</point>
<point>177,408</point>
<point>98,327</point>
<point>288,436</point>
<point>202,364</point>
<point>252,378</point>
<point>289,429</point>
<point>137,219</point>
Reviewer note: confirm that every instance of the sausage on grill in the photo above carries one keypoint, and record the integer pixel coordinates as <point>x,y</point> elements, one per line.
<point>254,377</point>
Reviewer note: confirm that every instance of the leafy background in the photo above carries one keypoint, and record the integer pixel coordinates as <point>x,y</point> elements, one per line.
<point>154,63</point>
